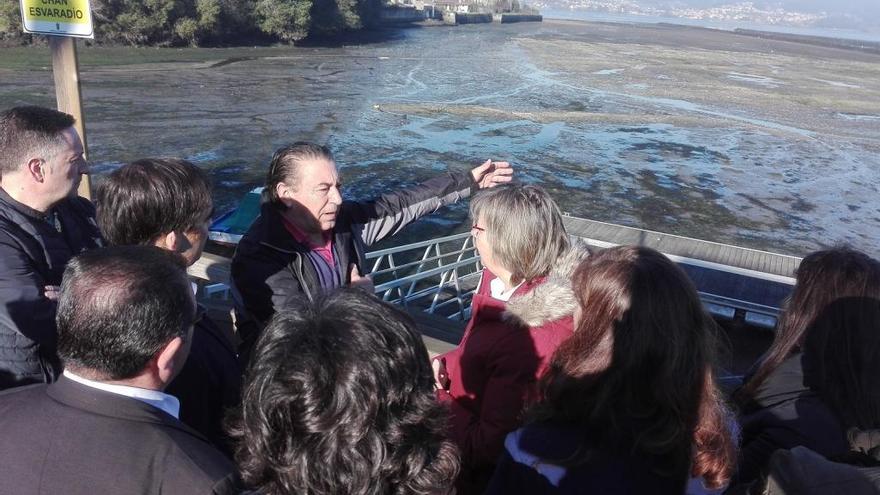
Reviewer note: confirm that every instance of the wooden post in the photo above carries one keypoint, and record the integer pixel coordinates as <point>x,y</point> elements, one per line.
<point>65,69</point>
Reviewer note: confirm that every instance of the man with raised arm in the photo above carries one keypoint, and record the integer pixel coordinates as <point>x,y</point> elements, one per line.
<point>42,224</point>
<point>308,240</point>
<point>125,323</point>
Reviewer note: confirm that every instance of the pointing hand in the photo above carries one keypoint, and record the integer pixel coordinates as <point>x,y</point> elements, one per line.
<point>490,174</point>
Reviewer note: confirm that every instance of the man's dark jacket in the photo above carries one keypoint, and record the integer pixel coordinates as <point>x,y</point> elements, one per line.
<point>67,438</point>
<point>270,269</point>
<point>210,382</point>
<point>33,254</point>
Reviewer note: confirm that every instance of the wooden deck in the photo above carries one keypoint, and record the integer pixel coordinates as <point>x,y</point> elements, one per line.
<point>751,262</point>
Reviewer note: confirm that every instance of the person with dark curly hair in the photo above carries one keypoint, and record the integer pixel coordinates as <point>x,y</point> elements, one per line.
<point>629,403</point>
<point>338,398</point>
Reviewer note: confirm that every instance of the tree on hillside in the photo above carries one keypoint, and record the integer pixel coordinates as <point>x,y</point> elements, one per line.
<point>289,20</point>
<point>134,22</point>
<point>334,16</point>
<point>10,23</point>
<point>201,22</point>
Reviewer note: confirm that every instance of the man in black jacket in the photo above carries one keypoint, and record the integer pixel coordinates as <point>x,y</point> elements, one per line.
<point>307,239</point>
<point>42,224</point>
<point>166,202</point>
<point>125,322</point>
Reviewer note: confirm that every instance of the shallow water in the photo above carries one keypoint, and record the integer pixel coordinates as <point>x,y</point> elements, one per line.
<point>711,135</point>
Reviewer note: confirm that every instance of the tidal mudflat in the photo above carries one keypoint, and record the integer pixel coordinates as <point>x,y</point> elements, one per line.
<point>767,144</point>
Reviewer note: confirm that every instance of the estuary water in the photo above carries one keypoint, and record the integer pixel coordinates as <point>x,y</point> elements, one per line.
<point>766,144</point>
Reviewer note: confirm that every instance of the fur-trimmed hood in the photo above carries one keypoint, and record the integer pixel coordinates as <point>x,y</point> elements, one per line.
<point>553,299</point>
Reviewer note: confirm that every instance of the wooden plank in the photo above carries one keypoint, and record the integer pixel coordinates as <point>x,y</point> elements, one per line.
<point>777,265</point>
<point>436,346</point>
<point>604,232</point>
<point>790,266</point>
<point>724,254</point>
<point>696,250</point>
<point>759,260</point>
<point>65,70</point>
<point>705,251</point>
<point>713,252</point>
<point>719,254</point>
<point>738,257</point>
<point>749,260</point>
<point>211,267</point>
<point>768,263</point>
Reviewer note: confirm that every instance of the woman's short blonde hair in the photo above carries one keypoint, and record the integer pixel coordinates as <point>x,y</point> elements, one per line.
<point>525,228</point>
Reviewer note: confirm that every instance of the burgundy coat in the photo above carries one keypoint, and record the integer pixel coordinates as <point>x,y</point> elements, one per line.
<point>505,348</point>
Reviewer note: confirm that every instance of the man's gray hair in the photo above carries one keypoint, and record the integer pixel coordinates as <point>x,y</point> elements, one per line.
<point>286,163</point>
<point>30,132</point>
<point>524,226</point>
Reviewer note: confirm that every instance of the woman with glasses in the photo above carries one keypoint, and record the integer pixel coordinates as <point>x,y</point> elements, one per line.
<point>522,310</point>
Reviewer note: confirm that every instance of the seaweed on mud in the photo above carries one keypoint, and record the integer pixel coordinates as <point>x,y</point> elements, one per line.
<point>680,149</point>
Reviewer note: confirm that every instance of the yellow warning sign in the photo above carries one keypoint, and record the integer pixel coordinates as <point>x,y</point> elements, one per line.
<point>58,17</point>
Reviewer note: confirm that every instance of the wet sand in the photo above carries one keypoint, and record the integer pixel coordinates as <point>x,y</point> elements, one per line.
<point>762,143</point>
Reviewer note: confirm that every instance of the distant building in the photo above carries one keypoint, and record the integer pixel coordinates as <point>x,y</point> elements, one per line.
<point>457,6</point>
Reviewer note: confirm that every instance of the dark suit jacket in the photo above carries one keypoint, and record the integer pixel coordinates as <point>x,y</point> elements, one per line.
<point>66,438</point>
<point>210,382</point>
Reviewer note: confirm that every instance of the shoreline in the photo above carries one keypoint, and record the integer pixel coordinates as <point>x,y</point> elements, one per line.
<point>870,47</point>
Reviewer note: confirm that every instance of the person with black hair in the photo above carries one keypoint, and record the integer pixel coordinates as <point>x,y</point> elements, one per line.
<point>166,202</point>
<point>308,240</point>
<point>779,409</point>
<point>125,319</point>
<point>841,363</point>
<point>338,398</point>
<point>42,225</point>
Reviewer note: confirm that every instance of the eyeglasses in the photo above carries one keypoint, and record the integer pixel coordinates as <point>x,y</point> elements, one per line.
<point>477,228</point>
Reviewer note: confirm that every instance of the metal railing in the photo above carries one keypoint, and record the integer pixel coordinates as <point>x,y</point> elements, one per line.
<point>438,275</point>
<point>450,281</point>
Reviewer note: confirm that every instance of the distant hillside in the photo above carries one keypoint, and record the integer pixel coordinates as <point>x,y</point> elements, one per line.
<point>850,14</point>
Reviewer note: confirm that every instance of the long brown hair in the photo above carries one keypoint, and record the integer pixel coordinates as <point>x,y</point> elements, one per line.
<point>637,374</point>
<point>822,278</point>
